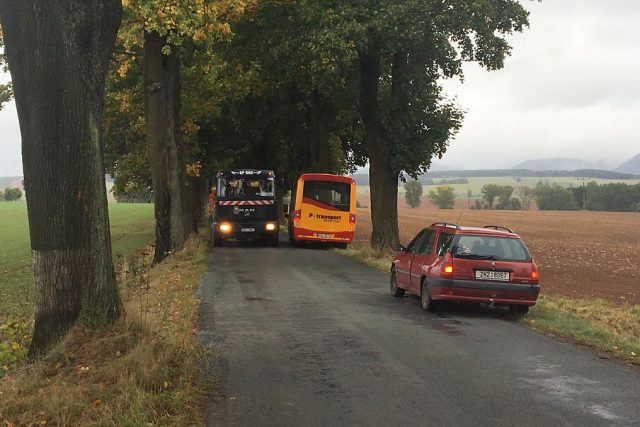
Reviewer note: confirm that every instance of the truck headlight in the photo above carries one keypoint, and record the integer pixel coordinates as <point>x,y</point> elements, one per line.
<point>271,227</point>
<point>225,227</point>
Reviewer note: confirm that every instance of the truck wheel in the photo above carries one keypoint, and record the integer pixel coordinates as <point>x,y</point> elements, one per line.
<point>217,241</point>
<point>274,241</point>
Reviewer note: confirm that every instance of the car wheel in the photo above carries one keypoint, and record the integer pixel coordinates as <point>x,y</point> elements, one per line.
<point>393,285</point>
<point>425,298</point>
<point>519,309</point>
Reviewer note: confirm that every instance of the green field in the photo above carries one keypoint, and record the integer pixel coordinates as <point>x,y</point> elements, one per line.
<point>131,227</point>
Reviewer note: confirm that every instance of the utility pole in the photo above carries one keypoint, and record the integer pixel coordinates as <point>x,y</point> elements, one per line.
<point>584,192</point>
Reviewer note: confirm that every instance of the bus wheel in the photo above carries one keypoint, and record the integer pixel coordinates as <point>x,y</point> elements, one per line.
<point>341,245</point>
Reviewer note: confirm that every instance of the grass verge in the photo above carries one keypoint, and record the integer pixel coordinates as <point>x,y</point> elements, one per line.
<point>131,228</point>
<point>611,330</point>
<point>141,372</point>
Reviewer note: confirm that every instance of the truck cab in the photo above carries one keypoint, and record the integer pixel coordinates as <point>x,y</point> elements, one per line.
<point>245,207</point>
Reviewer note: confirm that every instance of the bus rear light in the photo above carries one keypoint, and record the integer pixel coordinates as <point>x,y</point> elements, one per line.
<point>352,219</point>
<point>297,214</point>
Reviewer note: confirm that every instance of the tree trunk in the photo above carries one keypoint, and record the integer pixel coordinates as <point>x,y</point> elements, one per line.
<point>58,52</point>
<point>166,155</point>
<point>320,121</point>
<point>383,179</point>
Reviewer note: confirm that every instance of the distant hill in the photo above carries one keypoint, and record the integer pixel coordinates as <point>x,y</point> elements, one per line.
<point>557,164</point>
<point>10,181</point>
<point>630,166</point>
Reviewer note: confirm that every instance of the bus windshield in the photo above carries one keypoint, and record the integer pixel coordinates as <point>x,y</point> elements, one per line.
<point>245,188</point>
<point>332,194</point>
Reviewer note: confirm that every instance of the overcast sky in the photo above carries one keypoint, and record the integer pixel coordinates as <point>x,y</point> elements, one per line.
<point>570,89</point>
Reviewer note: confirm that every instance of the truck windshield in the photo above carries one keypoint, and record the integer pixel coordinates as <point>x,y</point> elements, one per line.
<point>245,188</point>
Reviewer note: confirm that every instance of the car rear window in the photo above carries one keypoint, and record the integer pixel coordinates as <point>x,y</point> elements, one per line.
<point>490,247</point>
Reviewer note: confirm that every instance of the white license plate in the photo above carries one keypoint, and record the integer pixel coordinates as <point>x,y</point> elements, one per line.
<point>501,276</point>
<point>248,230</point>
<point>324,236</point>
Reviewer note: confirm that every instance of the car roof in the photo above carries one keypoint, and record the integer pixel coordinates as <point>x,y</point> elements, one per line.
<point>488,230</point>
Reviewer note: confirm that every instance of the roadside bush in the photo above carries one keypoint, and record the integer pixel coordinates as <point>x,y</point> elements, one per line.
<point>413,193</point>
<point>443,197</point>
<point>12,194</point>
<point>554,197</point>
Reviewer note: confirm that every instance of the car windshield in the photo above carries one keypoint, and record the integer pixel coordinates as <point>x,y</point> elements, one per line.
<point>245,188</point>
<point>490,247</point>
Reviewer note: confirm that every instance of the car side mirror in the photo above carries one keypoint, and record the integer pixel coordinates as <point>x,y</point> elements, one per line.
<point>399,248</point>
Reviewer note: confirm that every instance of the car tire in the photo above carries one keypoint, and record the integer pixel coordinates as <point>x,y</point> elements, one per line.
<point>425,298</point>
<point>393,285</point>
<point>519,309</point>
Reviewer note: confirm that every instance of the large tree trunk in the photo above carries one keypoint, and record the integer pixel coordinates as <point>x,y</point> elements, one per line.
<point>58,53</point>
<point>166,155</point>
<point>383,179</point>
<point>321,118</point>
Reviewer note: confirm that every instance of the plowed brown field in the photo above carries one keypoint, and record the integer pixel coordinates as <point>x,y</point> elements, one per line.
<point>580,254</point>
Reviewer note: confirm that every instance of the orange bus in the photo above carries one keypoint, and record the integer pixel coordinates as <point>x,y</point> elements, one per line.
<point>324,209</point>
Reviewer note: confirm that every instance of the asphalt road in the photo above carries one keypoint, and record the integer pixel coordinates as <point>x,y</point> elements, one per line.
<point>306,337</point>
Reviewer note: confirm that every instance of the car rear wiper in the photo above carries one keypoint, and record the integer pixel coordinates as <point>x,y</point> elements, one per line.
<point>476,256</point>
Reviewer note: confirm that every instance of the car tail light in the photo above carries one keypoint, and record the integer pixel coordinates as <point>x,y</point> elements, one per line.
<point>352,219</point>
<point>447,266</point>
<point>534,272</point>
<point>297,214</point>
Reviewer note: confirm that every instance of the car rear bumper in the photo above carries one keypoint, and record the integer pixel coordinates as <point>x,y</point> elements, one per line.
<point>480,291</point>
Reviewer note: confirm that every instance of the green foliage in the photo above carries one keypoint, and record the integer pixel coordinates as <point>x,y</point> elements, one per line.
<point>490,192</point>
<point>504,197</point>
<point>554,197</point>
<point>413,193</point>
<point>613,197</point>
<point>443,197</point>
<point>6,94</point>
<point>12,194</point>
<point>14,343</point>
<point>526,195</point>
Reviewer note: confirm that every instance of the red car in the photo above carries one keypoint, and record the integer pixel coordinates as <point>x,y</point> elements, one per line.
<point>449,262</point>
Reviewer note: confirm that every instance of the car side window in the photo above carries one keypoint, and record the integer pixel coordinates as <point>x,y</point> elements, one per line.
<point>415,243</point>
<point>426,247</point>
<point>444,242</point>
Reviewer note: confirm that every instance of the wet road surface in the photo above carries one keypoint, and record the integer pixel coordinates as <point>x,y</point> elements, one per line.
<point>306,337</point>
